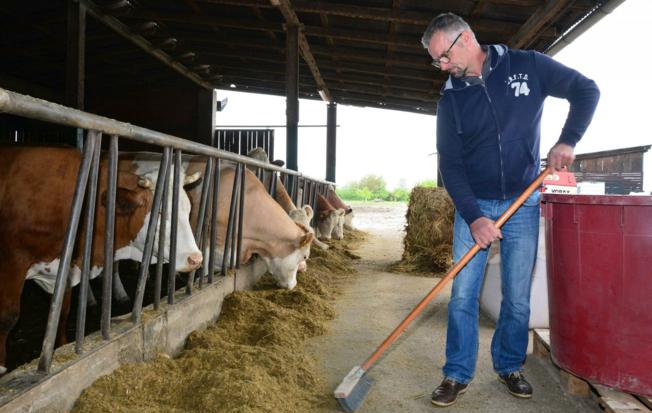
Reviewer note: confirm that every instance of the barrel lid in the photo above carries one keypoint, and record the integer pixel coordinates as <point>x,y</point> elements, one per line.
<point>636,200</point>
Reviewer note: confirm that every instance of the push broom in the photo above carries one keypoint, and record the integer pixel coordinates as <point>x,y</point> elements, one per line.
<point>354,388</point>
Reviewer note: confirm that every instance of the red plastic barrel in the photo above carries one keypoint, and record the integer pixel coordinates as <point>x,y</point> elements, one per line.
<point>599,259</point>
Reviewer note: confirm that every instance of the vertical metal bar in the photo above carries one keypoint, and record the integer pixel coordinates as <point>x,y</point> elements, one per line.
<point>243,187</point>
<point>270,143</point>
<point>199,229</point>
<point>149,238</point>
<point>162,231</point>
<point>213,225</point>
<point>313,203</point>
<point>88,241</point>
<point>294,181</point>
<point>66,255</point>
<point>272,187</point>
<point>236,219</point>
<point>229,226</point>
<point>205,241</point>
<point>75,59</point>
<point>174,221</point>
<point>109,236</point>
<point>297,181</point>
<point>305,191</point>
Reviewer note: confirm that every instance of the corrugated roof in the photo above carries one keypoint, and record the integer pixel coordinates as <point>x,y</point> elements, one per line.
<point>361,52</point>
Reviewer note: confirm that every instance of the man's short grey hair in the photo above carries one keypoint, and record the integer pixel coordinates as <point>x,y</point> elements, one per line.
<point>449,23</point>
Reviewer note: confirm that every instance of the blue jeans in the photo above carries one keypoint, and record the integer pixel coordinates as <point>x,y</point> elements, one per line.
<point>518,250</point>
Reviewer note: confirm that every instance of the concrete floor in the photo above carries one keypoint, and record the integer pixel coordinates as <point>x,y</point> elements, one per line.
<point>376,301</point>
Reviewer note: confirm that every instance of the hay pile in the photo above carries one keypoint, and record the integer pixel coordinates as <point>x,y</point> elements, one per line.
<point>427,246</point>
<point>250,361</point>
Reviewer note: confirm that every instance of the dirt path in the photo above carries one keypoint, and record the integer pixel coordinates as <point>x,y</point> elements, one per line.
<point>376,301</point>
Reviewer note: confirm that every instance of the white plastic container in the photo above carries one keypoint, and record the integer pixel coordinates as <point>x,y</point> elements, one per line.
<point>491,295</point>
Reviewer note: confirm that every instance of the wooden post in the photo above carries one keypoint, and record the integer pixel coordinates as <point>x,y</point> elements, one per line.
<point>292,95</point>
<point>206,114</point>
<point>331,135</point>
<point>75,58</point>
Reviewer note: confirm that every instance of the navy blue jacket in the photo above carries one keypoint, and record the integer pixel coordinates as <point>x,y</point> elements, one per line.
<point>488,133</point>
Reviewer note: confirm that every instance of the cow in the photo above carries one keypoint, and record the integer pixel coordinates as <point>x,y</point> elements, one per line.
<point>147,164</point>
<point>303,215</point>
<point>330,220</point>
<point>34,211</point>
<point>335,200</point>
<point>267,232</point>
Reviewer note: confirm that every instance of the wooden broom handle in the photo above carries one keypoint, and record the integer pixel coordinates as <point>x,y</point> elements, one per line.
<point>451,273</point>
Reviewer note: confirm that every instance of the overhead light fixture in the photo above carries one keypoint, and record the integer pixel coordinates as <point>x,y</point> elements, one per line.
<point>221,104</point>
<point>232,86</point>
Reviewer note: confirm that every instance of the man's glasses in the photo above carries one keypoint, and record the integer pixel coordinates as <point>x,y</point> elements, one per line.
<point>444,58</point>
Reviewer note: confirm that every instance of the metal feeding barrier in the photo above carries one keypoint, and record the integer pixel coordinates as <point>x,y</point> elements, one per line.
<point>85,200</point>
<point>241,141</point>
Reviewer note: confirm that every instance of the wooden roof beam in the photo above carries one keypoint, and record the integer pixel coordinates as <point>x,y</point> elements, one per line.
<point>416,18</point>
<point>144,44</point>
<point>291,18</point>
<point>536,22</point>
<point>479,8</point>
<point>343,34</point>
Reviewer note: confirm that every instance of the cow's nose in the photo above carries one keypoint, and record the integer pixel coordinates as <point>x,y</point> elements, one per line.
<point>195,259</point>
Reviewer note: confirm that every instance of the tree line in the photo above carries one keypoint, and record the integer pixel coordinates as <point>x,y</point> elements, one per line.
<point>374,187</point>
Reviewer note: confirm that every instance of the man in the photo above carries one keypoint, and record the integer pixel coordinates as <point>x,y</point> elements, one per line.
<point>488,136</point>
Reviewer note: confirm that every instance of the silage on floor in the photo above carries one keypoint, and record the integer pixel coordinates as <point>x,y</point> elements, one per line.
<point>250,361</point>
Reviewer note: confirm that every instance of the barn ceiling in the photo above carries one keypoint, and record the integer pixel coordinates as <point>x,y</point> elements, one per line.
<point>357,52</point>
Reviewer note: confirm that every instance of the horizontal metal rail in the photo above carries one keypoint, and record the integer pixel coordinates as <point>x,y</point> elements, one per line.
<point>34,108</point>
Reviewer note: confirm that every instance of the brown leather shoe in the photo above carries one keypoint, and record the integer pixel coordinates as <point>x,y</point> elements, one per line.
<point>446,393</point>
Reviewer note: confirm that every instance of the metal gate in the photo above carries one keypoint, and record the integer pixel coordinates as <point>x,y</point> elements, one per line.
<point>241,141</point>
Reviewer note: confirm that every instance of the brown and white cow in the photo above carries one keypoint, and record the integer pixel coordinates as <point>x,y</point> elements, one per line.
<point>335,200</point>
<point>302,215</point>
<point>268,231</point>
<point>36,192</point>
<point>330,220</point>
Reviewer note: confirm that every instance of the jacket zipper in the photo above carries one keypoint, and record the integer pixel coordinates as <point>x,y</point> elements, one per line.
<point>500,147</point>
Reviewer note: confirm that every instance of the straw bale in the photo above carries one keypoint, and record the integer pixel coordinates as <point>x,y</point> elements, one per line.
<point>427,246</point>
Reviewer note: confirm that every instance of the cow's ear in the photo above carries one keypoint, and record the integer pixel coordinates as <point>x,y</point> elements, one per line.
<point>246,255</point>
<point>306,239</point>
<point>309,211</point>
<point>189,186</point>
<point>126,201</point>
<point>340,211</point>
<point>303,227</point>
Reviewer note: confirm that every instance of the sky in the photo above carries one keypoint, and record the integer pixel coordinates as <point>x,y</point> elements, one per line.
<point>400,146</point>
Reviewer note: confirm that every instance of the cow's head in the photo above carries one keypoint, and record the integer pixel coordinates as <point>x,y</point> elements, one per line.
<point>188,257</point>
<point>326,221</point>
<point>348,219</point>
<point>132,205</point>
<point>284,269</point>
<point>338,228</point>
